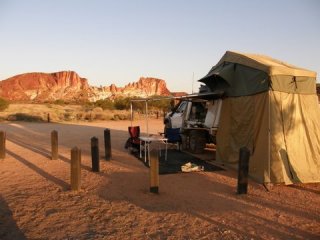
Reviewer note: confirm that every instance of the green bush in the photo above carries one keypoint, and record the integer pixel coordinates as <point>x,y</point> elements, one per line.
<point>88,106</point>
<point>138,105</point>
<point>117,117</point>
<point>97,109</point>
<point>163,104</point>
<point>25,117</point>
<point>68,116</point>
<point>103,116</point>
<point>3,104</point>
<point>104,104</point>
<point>59,102</point>
<point>159,104</point>
<point>122,103</point>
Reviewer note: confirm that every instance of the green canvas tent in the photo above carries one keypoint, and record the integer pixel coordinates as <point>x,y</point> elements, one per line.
<point>270,107</point>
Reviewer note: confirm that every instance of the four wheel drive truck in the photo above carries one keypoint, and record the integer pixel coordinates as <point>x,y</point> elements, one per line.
<point>197,116</point>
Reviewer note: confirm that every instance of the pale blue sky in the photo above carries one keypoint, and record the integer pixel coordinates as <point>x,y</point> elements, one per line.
<point>119,41</point>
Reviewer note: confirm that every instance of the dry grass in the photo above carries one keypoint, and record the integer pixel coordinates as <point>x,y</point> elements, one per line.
<point>61,113</point>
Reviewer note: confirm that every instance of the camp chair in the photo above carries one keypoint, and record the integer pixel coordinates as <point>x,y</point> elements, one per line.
<point>173,136</point>
<point>133,141</point>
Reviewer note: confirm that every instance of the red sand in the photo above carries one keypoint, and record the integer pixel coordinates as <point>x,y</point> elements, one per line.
<point>35,202</point>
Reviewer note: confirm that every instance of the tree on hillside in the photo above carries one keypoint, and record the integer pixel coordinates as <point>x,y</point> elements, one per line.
<point>3,104</point>
<point>122,103</point>
<point>104,104</point>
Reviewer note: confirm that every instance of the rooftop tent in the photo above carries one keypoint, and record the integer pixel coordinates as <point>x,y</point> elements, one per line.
<point>247,74</point>
<point>271,107</point>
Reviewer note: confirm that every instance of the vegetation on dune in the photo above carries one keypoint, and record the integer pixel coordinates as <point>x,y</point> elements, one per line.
<point>105,104</point>
<point>59,102</point>
<point>154,103</point>
<point>25,117</point>
<point>4,104</point>
<point>60,111</point>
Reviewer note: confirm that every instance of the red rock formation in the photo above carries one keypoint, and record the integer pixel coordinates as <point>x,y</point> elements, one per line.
<point>68,86</point>
<point>43,86</point>
<point>145,87</point>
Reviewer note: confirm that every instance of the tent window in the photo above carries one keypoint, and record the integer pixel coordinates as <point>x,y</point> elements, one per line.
<point>294,80</point>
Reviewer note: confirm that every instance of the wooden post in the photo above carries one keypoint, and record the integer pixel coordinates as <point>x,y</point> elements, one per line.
<point>243,170</point>
<point>75,169</point>
<point>54,145</point>
<point>95,154</point>
<point>48,118</point>
<point>107,144</point>
<point>2,145</point>
<point>154,171</point>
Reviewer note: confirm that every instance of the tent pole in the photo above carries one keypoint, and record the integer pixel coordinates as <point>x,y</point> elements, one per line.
<point>147,117</point>
<point>269,170</point>
<point>131,113</point>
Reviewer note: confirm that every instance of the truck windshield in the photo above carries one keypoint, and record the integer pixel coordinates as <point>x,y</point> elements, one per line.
<point>182,107</point>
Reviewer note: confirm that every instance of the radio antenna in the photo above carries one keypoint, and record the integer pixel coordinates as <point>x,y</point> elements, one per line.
<point>192,80</point>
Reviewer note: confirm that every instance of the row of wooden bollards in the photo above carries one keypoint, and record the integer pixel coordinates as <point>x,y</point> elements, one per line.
<point>243,169</point>
<point>76,158</point>
<point>2,145</point>
<point>244,156</point>
<point>94,145</point>
<point>75,155</point>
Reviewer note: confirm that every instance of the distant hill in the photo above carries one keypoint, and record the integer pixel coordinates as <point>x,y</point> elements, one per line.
<point>69,86</point>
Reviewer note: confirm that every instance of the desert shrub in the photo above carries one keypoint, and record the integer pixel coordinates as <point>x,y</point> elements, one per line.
<point>25,117</point>
<point>68,116</point>
<point>122,103</point>
<point>105,104</point>
<point>59,102</point>
<point>53,117</point>
<point>89,116</point>
<point>80,115</point>
<point>159,104</point>
<point>115,117</point>
<point>3,104</point>
<point>162,104</point>
<point>138,105</point>
<point>97,109</point>
<point>81,102</point>
<point>103,116</point>
<point>120,116</point>
<point>88,105</point>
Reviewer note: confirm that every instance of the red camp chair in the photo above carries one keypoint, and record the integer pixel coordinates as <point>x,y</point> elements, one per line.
<point>133,141</point>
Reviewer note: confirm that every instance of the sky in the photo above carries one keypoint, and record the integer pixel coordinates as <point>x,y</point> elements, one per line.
<point>178,41</point>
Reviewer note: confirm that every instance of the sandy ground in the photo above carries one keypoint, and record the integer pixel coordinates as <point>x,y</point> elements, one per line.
<point>36,203</point>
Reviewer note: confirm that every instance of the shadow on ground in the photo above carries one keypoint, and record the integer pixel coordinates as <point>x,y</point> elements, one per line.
<point>8,227</point>
<point>176,159</point>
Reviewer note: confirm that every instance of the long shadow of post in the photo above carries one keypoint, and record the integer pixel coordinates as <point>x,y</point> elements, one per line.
<point>43,152</point>
<point>62,184</point>
<point>8,227</point>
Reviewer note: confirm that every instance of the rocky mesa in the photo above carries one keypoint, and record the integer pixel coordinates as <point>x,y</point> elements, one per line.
<point>69,86</point>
